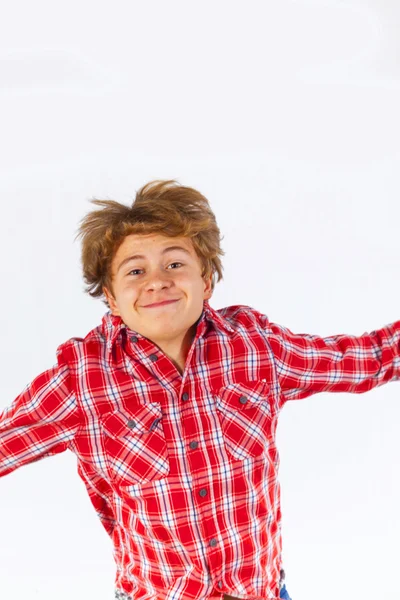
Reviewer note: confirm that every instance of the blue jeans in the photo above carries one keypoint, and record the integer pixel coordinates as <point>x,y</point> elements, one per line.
<point>284,593</point>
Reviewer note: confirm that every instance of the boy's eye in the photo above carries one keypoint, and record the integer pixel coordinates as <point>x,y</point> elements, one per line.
<point>174,263</point>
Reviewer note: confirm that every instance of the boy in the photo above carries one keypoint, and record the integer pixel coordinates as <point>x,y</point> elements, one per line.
<point>171,407</point>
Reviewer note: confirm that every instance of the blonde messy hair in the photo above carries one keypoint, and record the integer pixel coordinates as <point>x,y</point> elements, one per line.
<point>160,206</point>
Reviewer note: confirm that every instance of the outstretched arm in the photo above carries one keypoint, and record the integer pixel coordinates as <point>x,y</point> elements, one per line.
<point>41,421</point>
<point>308,364</point>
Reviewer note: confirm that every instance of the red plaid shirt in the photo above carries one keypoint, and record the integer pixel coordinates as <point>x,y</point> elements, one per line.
<point>182,469</point>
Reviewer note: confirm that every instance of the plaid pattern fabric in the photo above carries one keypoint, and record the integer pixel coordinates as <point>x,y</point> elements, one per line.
<point>182,470</point>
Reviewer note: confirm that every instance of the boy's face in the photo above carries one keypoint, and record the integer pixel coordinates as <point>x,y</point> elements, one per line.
<point>155,278</point>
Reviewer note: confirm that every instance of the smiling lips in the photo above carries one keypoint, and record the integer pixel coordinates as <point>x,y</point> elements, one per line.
<point>160,303</point>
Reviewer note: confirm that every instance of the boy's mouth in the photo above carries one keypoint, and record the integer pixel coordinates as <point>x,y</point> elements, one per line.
<point>160,303</point>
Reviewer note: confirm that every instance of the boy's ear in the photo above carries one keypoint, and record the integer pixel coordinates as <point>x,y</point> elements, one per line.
<point>208,288</point>
<point>111,302</point>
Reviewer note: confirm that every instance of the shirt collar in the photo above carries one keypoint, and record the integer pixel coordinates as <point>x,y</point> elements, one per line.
<point>112,326</point>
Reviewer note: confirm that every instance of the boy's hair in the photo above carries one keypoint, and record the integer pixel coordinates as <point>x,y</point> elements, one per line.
<point>160,206</point>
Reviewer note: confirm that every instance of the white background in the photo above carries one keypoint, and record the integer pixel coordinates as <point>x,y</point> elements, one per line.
<point>285,115</point>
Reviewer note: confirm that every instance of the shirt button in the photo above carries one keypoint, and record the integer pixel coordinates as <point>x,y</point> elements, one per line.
<point>203,492</point>
<point>220,584</point>
<point>213,542</point>
<point>185,396</point>
<point>242,399</point>
<point>134,338</point>
<point>153,357</point>
<point>131,424</point>
<point>193,445</point>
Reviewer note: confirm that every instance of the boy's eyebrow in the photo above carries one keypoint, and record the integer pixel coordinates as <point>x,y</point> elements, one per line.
<point>141,256</point>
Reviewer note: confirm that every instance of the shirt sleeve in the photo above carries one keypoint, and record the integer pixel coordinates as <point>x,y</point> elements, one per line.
<point>41,421</point>
<point>307,364</point>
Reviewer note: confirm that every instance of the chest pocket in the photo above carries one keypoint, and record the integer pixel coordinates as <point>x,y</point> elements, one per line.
<point>244,413</point>
<point>135,445</point>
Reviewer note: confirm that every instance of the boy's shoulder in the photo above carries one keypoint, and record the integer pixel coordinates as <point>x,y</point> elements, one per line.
<point>85,346</point>
<point>239,309</point>
<point>242,314</point>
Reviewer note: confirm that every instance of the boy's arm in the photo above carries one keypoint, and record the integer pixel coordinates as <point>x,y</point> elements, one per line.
<point>41,421</point>
<point>308,364</point>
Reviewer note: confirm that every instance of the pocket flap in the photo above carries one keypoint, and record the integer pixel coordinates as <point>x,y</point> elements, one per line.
<point>244,395</point>
<point>138,420</point>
